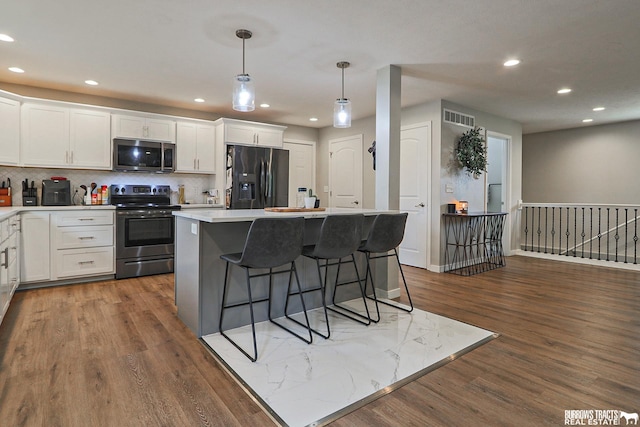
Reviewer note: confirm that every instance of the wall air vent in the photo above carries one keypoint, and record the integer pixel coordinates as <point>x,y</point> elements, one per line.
<point>460,119</point>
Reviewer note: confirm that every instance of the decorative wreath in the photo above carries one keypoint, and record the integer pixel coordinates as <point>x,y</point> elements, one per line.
<point>472,153</point>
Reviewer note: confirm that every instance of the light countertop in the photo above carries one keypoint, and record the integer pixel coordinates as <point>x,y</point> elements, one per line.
<point>240,215</point>
<point>6,212</point>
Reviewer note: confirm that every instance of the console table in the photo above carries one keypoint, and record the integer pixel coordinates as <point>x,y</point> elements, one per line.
<point>473,242</point>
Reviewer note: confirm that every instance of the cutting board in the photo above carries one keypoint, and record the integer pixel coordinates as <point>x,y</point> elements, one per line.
<point>294,209</point>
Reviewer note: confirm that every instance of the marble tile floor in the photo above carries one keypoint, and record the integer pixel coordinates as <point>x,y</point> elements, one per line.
<point>310,385</point>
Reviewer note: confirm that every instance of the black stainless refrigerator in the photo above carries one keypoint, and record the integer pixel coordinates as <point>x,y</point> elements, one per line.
<point>257,177</point>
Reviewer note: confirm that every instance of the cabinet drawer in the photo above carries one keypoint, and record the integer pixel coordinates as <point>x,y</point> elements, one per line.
<point>84,262</point>
<point>83,237</point>
<point>85,217</point>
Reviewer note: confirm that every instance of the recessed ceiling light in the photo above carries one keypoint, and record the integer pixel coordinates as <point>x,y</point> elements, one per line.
<point>91,82</point>
<point>313,119</point>
<point>16,69</point>
<point>265,105</point>
<point>6,38</point>
<point>564,90</point>
<point>199,100</point>
<point>587,120</point>
<point>511,63</point>
<point>598,109</point>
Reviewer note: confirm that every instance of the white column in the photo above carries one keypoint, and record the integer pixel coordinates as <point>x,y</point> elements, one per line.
<point>388,91</point>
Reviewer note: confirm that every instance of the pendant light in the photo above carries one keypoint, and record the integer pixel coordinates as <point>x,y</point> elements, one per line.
<point>342,107</point>
<point>244,94</point>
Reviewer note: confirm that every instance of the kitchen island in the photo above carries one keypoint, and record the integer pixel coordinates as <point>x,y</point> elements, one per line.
<point>203,235</point>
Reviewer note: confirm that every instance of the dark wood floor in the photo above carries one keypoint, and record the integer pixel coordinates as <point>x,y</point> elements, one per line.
<point>113,353</point>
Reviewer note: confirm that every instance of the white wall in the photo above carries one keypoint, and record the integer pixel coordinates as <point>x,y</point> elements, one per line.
<point>591,164</point>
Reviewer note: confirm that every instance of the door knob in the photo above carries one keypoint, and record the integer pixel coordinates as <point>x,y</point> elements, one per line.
<point>356,202</point>
<point>420,205</point>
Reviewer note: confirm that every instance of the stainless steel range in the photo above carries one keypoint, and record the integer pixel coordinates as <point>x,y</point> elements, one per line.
<point>145,229</point>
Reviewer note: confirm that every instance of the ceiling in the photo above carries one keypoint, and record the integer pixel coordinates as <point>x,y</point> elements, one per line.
<point>169,52</point>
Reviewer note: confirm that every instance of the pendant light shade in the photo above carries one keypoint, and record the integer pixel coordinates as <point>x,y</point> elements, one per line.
<point>342,106</point>
<point>244,93</point>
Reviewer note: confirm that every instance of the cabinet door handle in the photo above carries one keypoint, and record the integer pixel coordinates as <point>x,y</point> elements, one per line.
<point>86,237</point>
<point>85,262</point>
<point>194,164</point>
<point>85,219</point>
<point>355,203</point>
<point>419,205</point>
<point>6,259</point>
<point>66,157</point>
<point>198,164</point>
<point>71,157</point>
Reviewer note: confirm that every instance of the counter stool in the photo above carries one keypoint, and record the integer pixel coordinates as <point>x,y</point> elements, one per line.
<point>270,243</point>
<point>340,236</point>
<point>385,234</point>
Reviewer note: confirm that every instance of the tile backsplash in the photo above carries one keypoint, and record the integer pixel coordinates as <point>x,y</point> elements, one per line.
<point>194,184</point>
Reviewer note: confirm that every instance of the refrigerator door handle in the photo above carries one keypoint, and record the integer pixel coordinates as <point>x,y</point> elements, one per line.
<point>263,184</point>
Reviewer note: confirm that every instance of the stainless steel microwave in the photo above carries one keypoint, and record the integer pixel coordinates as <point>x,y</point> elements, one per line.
<point>143,156</point>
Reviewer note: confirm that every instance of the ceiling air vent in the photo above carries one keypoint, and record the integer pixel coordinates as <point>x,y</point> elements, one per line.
<point>456,118</point>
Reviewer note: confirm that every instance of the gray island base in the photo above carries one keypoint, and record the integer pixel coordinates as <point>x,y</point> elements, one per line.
<point>203,235</point>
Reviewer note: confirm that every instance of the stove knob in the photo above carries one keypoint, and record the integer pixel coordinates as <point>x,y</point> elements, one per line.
<point>154,190</point>
<point>116,189</point>
<point>122,190</point>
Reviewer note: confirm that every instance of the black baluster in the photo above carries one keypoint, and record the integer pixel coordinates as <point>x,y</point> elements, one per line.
<point>546,222</point>
<point>608,232</point>
<point>590,233</point>
<point>526,225</point>
<point>626,228</point>
<point>553,227</point>
<point>575,232</point>
<point>617,235</point>
<point>635,237</point>
<point>583,234</point>
<point>539,230</point>
<point>599,231</point>
<point>567,233</point>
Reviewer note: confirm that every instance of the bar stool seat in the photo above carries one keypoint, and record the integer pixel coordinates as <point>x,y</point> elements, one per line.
<point>340,236</point>
<point>270,243</point>
<point>385,235</point>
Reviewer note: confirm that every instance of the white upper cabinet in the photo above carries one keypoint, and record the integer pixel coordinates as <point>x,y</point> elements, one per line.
<point>9,132</point>
<point>45,135</point>
<point>195,146</point>
<point>90,139</point>
<point>251,133</point>
<point>61,137</point>
<point>143,128</point>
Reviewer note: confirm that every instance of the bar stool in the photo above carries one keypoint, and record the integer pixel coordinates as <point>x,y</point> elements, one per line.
<point>340,236</point>
<point>270,243</point>
<point>385,234</point>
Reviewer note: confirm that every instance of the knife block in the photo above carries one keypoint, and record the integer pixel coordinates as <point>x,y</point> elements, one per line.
<point>5,197</point>
<point>29,200</point>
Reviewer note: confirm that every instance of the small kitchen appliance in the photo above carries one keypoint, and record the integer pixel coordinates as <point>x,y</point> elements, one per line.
<point>56,192</point>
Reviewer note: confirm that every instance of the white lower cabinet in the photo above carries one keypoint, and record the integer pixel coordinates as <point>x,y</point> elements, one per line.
<point>34,247</point>
<point>9,261</point>
<point>62,245</point>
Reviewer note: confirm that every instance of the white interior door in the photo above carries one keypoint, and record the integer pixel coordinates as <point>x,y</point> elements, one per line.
<point>345,172</point>
<point>302,167</point>
<point>415,146</point>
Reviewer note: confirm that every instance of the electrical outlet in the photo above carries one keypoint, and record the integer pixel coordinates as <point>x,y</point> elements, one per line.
<point>194,229</point>
<point>448,188</point>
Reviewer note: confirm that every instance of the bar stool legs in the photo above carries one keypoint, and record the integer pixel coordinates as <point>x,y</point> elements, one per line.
<point>346,311</point>
<point>369,274</point>
<point>250,301</point>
